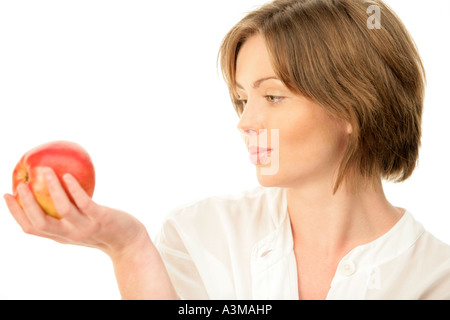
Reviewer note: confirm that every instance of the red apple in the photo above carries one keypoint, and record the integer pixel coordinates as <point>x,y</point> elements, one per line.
<point>63,157</point>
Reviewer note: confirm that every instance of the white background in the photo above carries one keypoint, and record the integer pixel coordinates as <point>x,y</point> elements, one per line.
<point>136,84</point>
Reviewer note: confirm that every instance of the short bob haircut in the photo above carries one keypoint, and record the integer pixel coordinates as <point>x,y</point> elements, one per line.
<point>373,78</point>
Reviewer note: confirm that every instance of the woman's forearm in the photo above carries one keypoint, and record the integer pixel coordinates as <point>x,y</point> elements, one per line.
<point>141,274</point>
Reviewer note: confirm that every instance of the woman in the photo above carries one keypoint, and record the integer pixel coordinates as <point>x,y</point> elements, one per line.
<point>328,105</point>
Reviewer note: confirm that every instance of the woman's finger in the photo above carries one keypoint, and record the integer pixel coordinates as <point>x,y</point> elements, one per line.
<point>21,218</point>
<point>81,198</point>
<point>42,223</point>
<point>61,201</point>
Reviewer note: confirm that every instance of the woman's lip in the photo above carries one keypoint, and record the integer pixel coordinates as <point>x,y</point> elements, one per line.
<point>259,155</point>
<point>256,150</point>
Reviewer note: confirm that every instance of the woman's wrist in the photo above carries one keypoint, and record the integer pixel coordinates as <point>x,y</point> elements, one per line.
<point>135,245</point>
<point>140,271</point>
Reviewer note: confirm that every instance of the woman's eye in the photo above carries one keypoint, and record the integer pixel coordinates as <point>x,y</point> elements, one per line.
<point>274,99</point>
<point>271,99</point>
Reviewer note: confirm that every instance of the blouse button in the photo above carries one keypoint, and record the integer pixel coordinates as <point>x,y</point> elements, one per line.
<point>347,268</point>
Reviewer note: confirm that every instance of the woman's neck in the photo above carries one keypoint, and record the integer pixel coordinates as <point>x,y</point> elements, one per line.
<point>336,223</point>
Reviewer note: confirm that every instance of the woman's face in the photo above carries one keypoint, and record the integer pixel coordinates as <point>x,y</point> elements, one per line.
<point>305,143</point>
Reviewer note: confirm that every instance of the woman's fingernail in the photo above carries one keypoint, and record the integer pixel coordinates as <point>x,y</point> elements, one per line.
<point>67,178</point>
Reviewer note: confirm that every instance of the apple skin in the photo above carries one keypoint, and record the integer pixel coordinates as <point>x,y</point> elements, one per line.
<point>63,157</point>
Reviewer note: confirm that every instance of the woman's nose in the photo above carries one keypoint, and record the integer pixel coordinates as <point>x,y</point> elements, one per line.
<point>250,122</point>
<point>250,129</point>
<point>249,132</point>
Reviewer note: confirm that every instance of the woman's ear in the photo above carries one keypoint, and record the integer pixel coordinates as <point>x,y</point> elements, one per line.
<point>348,128</point>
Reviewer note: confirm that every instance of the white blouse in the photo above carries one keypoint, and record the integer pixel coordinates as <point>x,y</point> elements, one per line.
<point>241,247</point>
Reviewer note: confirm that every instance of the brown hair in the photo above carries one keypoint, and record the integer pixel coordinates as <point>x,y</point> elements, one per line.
<point>372,78</point>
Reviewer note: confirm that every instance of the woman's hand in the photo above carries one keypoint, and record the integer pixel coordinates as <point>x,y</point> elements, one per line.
<point>140,271</point>
<point>87,223</point>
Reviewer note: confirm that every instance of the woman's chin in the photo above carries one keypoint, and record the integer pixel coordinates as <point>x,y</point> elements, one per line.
<point>266,179</point>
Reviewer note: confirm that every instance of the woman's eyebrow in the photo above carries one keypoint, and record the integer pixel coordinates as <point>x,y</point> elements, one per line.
<point>257,83</point>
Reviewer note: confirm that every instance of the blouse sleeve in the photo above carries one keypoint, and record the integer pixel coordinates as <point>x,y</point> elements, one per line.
<point>182,270</point>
